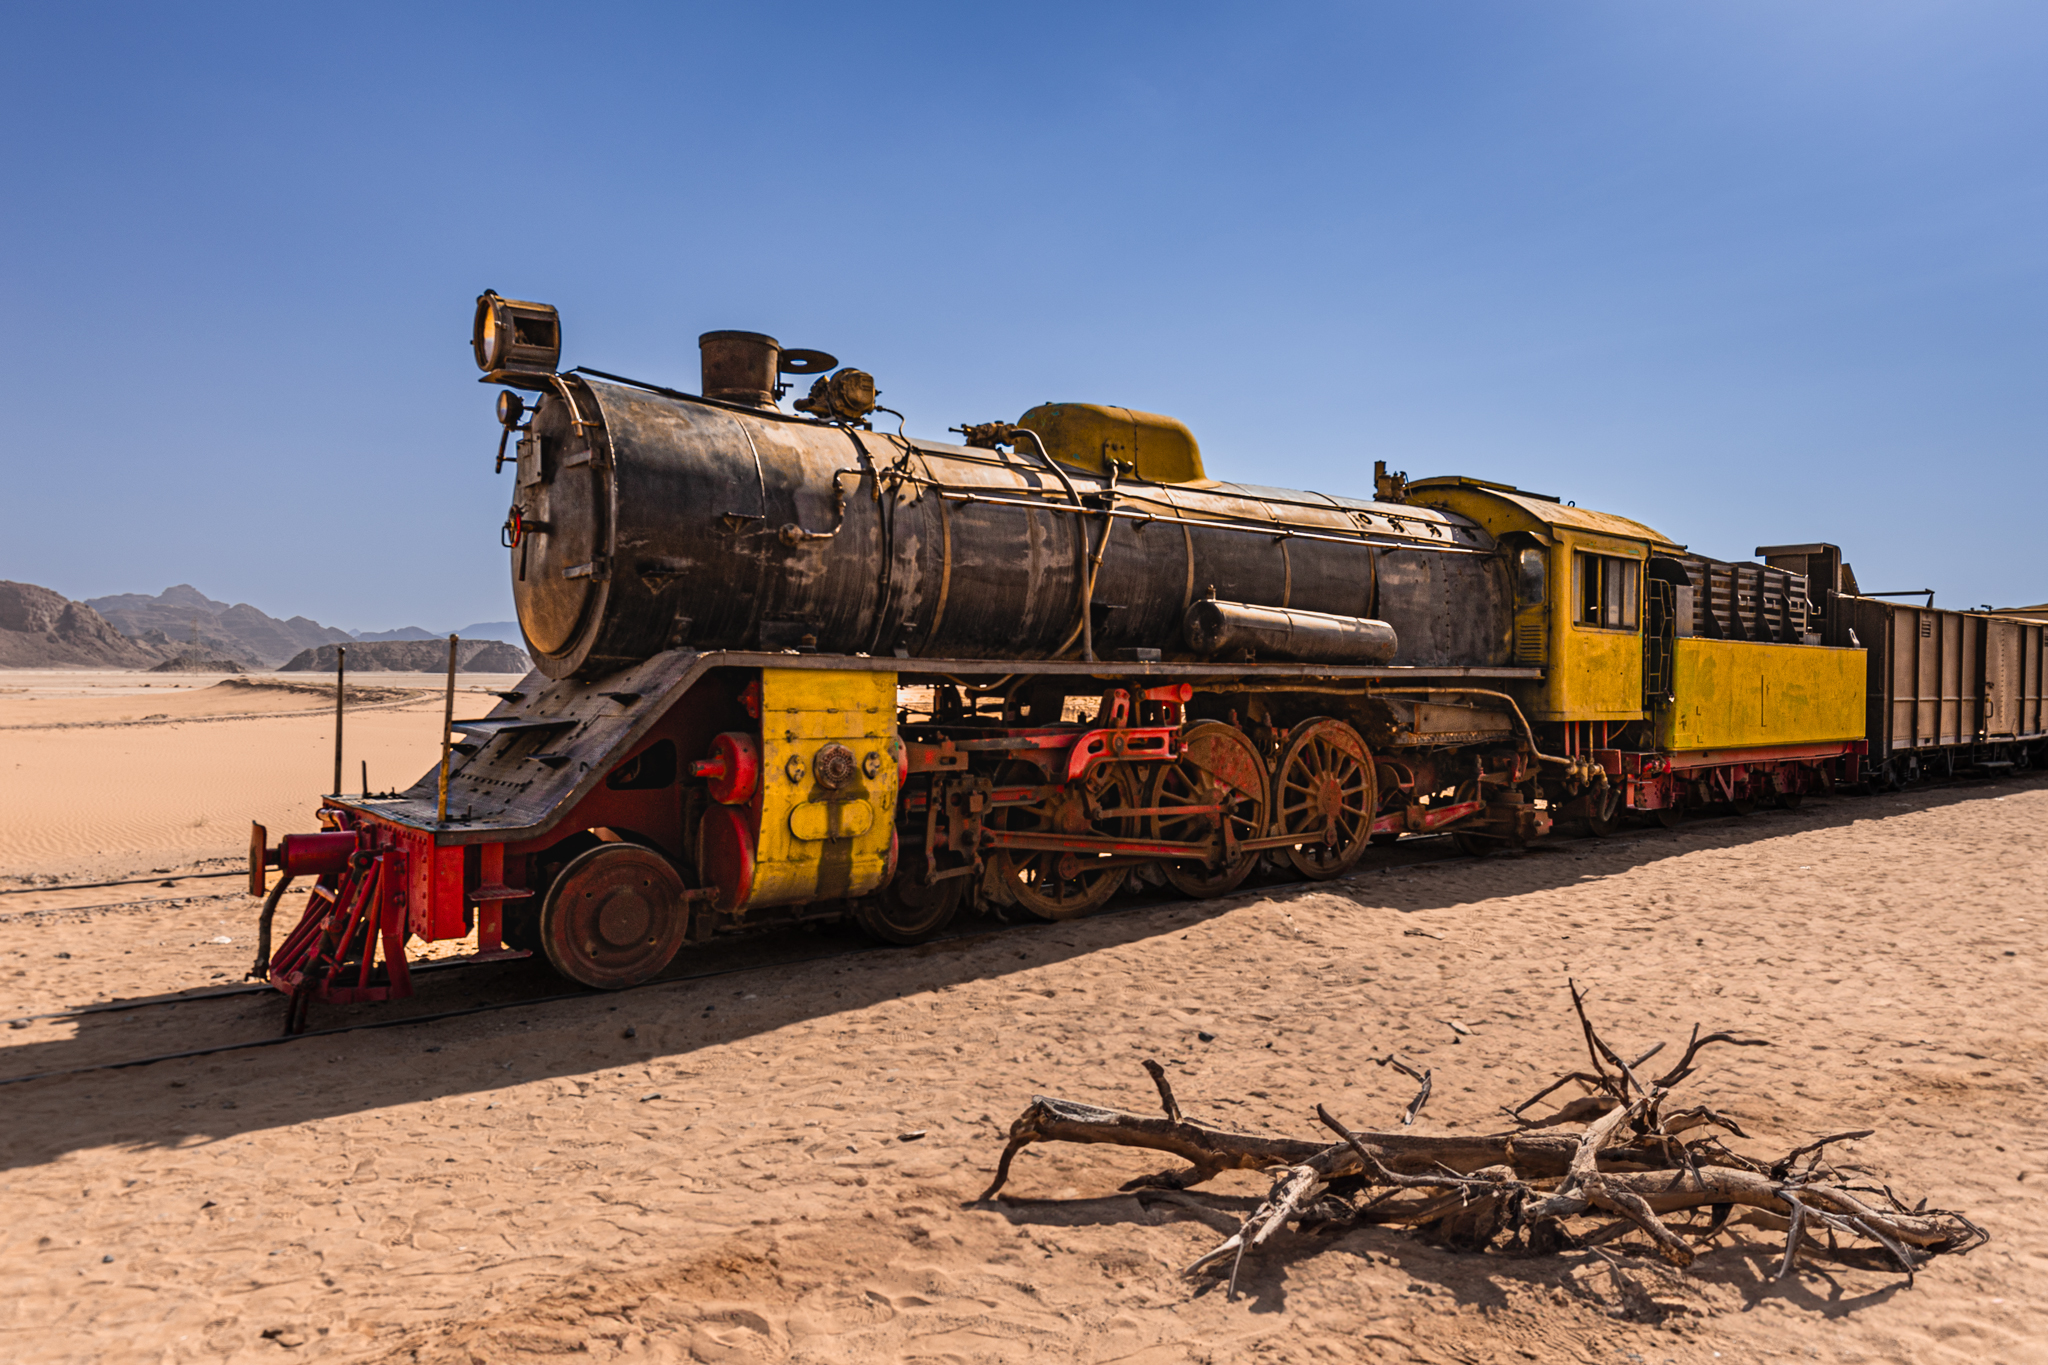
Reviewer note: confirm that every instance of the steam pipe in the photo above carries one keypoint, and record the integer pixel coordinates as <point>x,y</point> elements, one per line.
<point>1087,580</point>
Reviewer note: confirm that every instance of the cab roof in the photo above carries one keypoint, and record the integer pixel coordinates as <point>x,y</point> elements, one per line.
<point>1547,511</point>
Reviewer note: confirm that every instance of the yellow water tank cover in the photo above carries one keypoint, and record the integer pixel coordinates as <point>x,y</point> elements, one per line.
<point>1087,436</point>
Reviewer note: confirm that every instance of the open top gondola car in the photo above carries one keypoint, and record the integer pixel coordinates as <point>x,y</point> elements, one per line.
<point>793,667</point>
<point>1948,691</point>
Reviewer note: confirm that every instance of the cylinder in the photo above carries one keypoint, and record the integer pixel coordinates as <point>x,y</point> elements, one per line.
<point>1211,628</point>
<point>740,367</point>
<point>657,522</point>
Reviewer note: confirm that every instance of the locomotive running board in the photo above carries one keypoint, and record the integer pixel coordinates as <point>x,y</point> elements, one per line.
<point>514,807</point>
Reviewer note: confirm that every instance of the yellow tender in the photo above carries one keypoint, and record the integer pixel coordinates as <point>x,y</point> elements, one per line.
<point>1733,694</point>
<point>819,841</point>
<point>1727,694</point>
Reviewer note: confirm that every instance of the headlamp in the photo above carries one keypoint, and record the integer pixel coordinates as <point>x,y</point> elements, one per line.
<point>515,336</point>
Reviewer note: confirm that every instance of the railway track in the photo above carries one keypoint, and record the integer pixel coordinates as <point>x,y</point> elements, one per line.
<point>1411,851</point>
<point>1429,848</point>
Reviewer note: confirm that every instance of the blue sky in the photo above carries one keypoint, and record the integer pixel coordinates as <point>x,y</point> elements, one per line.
<point>1750,272</point>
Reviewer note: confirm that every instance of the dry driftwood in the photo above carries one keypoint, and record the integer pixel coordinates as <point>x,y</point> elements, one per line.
<point>1629,1168</point>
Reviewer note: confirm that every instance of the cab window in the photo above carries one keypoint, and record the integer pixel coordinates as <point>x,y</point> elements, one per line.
<point>1529,577</point>
<point>1606,591</point>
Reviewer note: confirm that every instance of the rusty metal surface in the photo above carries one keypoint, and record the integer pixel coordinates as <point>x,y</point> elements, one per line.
<point>536,756</point>
<point>741,367</point>
<point>1742,601</point>
<point>675,523</point>
<point>1941,679</point>
<point>1212,627</point>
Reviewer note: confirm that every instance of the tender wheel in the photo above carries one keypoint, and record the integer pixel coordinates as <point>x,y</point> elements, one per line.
<point>909,911</point>
<point>1218,766</point>
<point>1064,885</point>
<point>1324,789</point>
<point>1671,817</point>
<point>614,917</point>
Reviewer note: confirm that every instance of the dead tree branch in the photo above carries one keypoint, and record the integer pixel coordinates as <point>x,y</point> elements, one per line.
<point>1420,1077</point>
<point>1629,1162</point>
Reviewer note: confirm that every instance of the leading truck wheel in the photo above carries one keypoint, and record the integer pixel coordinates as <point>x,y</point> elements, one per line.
<point>614,916</point>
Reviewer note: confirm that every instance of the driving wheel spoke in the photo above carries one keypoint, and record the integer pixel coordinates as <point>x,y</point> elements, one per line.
<point>1219,766</point>
<point>1065,885</point>
<point>1326,791</point>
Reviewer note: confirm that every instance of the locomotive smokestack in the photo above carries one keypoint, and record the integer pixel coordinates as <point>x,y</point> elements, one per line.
<point>740,367</point>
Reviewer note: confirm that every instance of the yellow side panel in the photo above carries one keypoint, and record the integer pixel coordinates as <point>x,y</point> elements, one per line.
<point>820,842</point>
<point>1732,694</point>
<point>1594,674</point>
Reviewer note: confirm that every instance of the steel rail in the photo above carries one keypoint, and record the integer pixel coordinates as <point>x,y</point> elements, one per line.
<point>283,1038</point>
<point>157,880</point>
<point>140,902</point>
<point>1142,903</point>
<point>222,993</point>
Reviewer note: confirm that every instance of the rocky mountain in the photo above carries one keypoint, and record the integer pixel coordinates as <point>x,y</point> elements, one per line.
<point>40,628</point>
<point>198,663</point>
<point>170,619</point>
<point>44,629</point>
<point>508,631</point>
<point>414,656</point>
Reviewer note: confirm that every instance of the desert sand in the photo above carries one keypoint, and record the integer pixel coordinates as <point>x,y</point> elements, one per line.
<point>775,1156</point>
<point>111,774</point>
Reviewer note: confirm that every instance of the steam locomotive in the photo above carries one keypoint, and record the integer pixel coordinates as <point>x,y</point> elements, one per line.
<point>792,666</point>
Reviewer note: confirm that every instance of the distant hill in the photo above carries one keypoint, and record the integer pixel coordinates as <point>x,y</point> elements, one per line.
<point>196,663</point>
<point>402,633</point>
<point>41,628</point>
<point>414,656</point>
<point>508,631</point>
<point>44,629</point>
<point>168,622</point>
<point>170,619</point>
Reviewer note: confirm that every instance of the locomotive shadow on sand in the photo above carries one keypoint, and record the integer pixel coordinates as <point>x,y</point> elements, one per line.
<point>227,1096</point>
